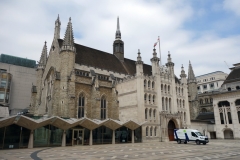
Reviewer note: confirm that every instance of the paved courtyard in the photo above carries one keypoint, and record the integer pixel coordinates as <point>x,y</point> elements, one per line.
<point>216,149</point>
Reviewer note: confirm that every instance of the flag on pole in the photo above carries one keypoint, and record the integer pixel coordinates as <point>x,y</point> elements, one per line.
<point>155,44</point>
<point>158,40</point>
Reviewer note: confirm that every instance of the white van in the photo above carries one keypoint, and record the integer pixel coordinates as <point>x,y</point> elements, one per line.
<point>186,135</point>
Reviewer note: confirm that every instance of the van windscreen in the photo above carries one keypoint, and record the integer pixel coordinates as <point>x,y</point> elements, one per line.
<point>198,133</point>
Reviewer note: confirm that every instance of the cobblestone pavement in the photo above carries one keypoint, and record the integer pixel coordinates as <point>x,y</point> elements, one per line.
<point>216,149</point>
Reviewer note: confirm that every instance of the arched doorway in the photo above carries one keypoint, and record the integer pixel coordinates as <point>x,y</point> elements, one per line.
<point>228,134</point>
<point>171,127</point>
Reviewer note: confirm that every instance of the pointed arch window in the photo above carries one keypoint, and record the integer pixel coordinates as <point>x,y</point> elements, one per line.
<point>146,113</point>
<point>149,84</point>
<point>166,102</point>
<point>103,108</point>
<point>153,85</point>
<point>221,118</point>
<point>145,82</point>
<point>163,103</point>
<point>150,113</point>
<point>237,102</point>
<point>151,131</point>
<point>170,105</point>
<point>153,99</point>
<point>154,113</point>
<point>155,131</point>
<point>238,113</point>
<point>147,131</point>
<point>81,104</point>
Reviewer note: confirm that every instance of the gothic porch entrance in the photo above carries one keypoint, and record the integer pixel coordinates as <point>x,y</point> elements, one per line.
<point>171,127</point>
<point>78,137</point>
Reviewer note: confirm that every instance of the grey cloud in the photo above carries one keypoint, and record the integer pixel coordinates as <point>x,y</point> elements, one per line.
<point>28,24</point>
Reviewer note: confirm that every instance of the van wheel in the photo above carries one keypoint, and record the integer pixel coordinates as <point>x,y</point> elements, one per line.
<point>179,142</point>
<point>197,142</point>
<point>185,142</point>
<point>204,143</point>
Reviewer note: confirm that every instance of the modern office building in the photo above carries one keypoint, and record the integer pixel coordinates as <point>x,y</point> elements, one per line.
<point>211,81</point>
<point>17,75</point>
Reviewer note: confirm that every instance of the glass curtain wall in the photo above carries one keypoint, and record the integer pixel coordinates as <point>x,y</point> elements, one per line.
<point>86,136</point>
<point>14,136</point>
<point>2,134</point>
<point>47,136</point>
<point>123,135</point>
<point>138,135</point>
<point>69,137</point>
<point>102,135</point>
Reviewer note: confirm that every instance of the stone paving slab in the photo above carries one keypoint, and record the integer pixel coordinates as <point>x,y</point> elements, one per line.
<point>216,149</point>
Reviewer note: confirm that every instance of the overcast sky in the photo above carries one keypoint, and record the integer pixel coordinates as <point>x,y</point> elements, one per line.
<point>205,32</point>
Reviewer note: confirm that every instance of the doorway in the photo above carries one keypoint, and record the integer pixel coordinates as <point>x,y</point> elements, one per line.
<point>171,127</point>
<point>78,137</point>
<point>228,134</point>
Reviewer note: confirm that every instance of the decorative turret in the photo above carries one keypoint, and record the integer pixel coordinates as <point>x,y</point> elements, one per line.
<point>183,76</point>
<point>68,42</point>
<point>155,63</point>
<point>170,64</point>
<point>57,28</point>
<point>43,60</point>
<point>191,76</point>
<point>118,45</point>
<point>139,64</point>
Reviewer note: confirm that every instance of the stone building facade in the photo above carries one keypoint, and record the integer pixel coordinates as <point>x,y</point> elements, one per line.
<point>75,81</point>
<point>226,106</point>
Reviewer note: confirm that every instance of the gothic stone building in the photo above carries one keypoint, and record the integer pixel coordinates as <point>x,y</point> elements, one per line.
<point>106,97</point>
<point>76,81</point>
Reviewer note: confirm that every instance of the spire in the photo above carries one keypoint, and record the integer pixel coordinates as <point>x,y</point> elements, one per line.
<point>118,32</point>
<point>58,20</point>
<point>139,58</point>
<point>57,28</point>
<point>118,44</point>
<point>43,60</point>
<point>68,42</point>
<point>169,57</point>
<point>68,38</point>
<point>191,76</point>
<point>139,64</point>
<point>182,72</point>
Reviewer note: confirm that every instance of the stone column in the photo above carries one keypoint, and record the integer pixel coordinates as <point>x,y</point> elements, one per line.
<point>90,138</point>
<point>132,136</point>
<point>30,142</point>
<point>113,137</point>
<point>64,138</point>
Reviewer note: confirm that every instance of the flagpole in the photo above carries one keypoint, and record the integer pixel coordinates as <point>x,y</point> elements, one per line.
<point>159,50</point>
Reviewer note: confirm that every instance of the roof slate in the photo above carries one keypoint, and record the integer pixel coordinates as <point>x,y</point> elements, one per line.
<point>234,76</point>
<point>103,60</point>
